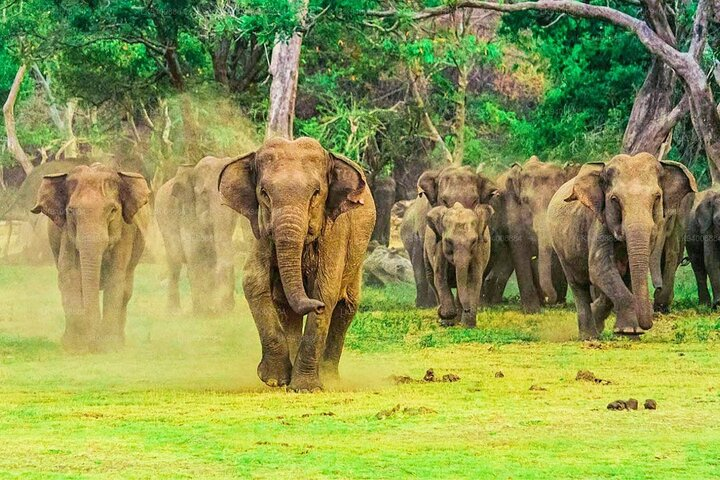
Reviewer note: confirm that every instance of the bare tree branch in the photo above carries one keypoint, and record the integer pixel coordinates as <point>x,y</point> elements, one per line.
<point>9,115</point>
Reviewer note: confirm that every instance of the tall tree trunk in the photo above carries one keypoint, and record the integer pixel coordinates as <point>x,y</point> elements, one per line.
<point>415,75</point>
<point>459,125</point>
<point>9,114</point>
<point>173,66</point>
<point>220,61</point>
<point>52,105</point>
<point>284,67</point>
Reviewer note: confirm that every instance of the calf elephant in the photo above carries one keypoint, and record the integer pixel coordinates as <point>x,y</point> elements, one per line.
<point>444,187</point>
<point>312,215</point>
<point>703,245</point>
<point>604,224</point>
<point>520,231</point>
<point>457,249</point>
<point>197,230</point>
<point>97,239</point>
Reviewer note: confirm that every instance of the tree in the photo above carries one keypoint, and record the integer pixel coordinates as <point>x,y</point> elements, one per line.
<point>686,64</point>
<point>9,115</point>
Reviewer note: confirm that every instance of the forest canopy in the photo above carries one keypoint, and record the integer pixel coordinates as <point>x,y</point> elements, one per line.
<point>156,83</point>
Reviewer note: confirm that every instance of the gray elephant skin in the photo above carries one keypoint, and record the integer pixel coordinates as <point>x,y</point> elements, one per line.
<point>312,215</point>
<point>442,187</point>
<point>703,245</point>
<point>457,249</point>
<point>197,231</point>
<point>604,225</point>
<point>97,239</point>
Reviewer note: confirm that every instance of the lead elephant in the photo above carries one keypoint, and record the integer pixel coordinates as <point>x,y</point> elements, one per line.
<point>197,230</point>
<point>457,249</point>
<point>312,215</point>
<point>703,245</point>
<point>443,187</point>
<point>604,224</point>
<point>97,240</point>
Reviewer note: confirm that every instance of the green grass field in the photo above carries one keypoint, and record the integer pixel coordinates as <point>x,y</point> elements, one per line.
<point>183,401</point>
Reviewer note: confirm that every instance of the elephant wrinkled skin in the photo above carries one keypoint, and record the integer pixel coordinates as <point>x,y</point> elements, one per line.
<point>443,187</point>
<point>520,232</point>
<point>604,224</point>
<point>312,215</point>
<point>457,249</point>
<point>197,230</point>
<point>703,245</point>
<point>97,239</point>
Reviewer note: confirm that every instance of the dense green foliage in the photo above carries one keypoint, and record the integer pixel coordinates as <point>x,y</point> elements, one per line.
<point>558,87</point>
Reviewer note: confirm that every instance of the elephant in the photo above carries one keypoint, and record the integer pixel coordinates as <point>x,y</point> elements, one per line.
<point>520,232</point>
<point>668,254</point>
<point>97,238</point>
<point>457,249</point>
<point>312,215</point>
<point>197,230</point>
<point>604,225</point>
<point>703,245</point>
<point>383,191</point>
<point>441,187</point>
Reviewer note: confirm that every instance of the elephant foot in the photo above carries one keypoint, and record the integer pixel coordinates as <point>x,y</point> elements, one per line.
<point>448,322</point>
<point>74,343</point>
<point>661,308</point>
<point>275,372</point>
<point>305,384</point>
<point>469,319</point>
<point>629,331</point>
<point>447,313</point>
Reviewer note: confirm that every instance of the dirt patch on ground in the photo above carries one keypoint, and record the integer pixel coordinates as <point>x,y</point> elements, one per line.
<point>400,411</point>
<point>429,377</point>
<point>588,376</point>
<point>631,404</point>
<point>537,388</point>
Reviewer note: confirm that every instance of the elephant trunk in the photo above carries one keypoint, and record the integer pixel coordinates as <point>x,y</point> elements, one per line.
<point>289,232</point>
<point>462,276</point>
<point>637,238</point>
<point>90,264</point>
<point>545,261</point>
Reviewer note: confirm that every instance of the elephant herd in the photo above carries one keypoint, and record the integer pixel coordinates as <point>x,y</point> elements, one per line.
<point>599,229</point>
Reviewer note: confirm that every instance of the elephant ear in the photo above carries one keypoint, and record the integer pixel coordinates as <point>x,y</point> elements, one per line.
<point>52,198</point>
<point>484,212</point>
<point>346,186</point>
<point>134,194</point>
<point>571,170</point>
<point>704,213</point>
<point>427,184</point>
<point>182,184</point>
<point>588,188</point>
<point>514,181</point>
<point>435,221</point>
<point>237,184</point>
<point>676,181</point>
<point>486,189</point>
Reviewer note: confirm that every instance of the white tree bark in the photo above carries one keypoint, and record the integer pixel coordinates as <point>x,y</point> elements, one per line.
<point>284,66</point>
<point>9,115</point>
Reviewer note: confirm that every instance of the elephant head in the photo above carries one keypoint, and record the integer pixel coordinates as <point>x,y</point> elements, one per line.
<point>630,195</point>
<point>461,232</point>
<point>707,213</point>
<point>90,204</point>
<point>194,186</point>
<point>531,186</point>
<point>453,184</point>
<point>290,190</point>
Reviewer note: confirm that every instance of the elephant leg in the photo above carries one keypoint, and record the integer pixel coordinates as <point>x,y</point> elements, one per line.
<point>339,324</point>
<point>697,261</point>
<point>448,304</point>
<point>586,327</point>
<point>173,297</point>
<point>424,297</point>
<point>430,280</point>
<point>606,277</point>
<point>292,326</point>
<point>519,250</point>
<point>306,370</point>
<point>275,367</point>
<point>712,265</point>
<point>77,330</point>
<point>114,311</point>
<point>601,308</point>
<point>559,281</point>
<point>225,263</point>
<point>497,275</point>
<point>664,296</point>
<point>201,282</point>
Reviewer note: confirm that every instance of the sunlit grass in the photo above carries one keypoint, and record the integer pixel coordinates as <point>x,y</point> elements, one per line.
<point>183,401</point>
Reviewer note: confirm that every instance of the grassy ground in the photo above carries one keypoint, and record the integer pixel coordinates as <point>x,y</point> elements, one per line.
<point>183,401</point>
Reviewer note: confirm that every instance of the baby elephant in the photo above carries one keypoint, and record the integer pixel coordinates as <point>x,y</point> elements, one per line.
<point>457,249</point>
